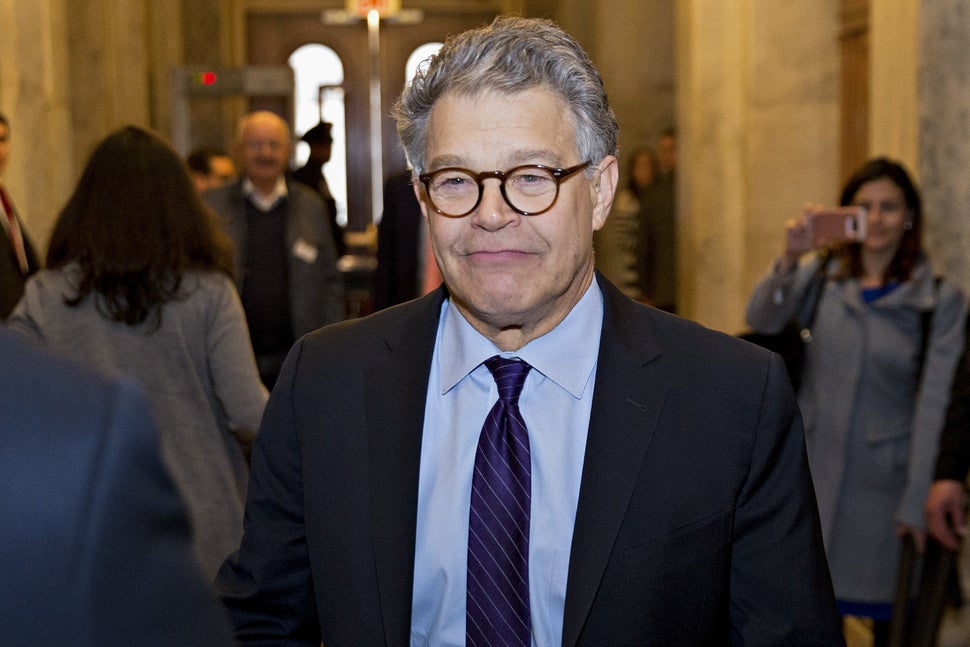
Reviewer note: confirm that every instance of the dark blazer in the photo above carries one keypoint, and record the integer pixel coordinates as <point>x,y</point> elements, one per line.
<point>316,286</point>
<point>94,540</point>
<point>696,523</point>
<point>12,278</point>
<point>953,460</point>
<point>398,244</point>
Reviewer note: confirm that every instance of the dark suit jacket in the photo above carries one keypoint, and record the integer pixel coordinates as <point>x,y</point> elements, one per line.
<point>316,287</point>
<point>398,244</point>
<point>696,523</point>
<point>953,461</point>
<point>94,540</point>
<point>12,278</point>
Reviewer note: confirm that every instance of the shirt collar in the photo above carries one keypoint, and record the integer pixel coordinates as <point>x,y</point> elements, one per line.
<point>265,202</point>
<point>462,348</point>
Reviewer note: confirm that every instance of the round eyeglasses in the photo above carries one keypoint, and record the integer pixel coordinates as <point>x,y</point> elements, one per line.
<point>530,189</point>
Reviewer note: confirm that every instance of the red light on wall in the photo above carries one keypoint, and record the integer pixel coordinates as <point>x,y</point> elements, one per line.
<point>207,78</point>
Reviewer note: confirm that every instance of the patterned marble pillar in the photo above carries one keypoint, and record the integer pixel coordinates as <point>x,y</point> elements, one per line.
<point>944,134</point>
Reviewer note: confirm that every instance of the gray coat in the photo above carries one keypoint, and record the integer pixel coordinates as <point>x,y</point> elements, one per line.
<point>316,286</point>
<point>872,418</point>
<point>198,372</point>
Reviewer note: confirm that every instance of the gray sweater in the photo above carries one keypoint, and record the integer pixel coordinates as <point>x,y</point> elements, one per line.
<point>200,377</point>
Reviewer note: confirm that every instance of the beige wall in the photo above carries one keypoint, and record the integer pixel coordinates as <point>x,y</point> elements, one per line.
<point>893,116</point>
<point>758,100</point>
<point>635,56</point>
<point>35,96</point>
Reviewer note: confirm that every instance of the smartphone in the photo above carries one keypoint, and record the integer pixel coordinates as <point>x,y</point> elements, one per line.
<point>836,225</point>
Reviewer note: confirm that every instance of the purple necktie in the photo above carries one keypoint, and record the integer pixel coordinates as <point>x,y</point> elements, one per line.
<point>497,603</point>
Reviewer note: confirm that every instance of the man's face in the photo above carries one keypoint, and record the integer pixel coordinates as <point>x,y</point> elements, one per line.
<point>320,152</point>
<point>667,153</point>
<point>264,149</point>
<point>508,272</point>
<point>221,170</point>
<point>4,146</point>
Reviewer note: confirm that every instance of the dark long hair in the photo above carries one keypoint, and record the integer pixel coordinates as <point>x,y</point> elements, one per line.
<point>134,225</point>
<point>910,249</point>
<point>643,151</point>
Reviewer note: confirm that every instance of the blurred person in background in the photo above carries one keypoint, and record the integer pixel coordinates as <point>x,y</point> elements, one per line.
<point>657,235</point>
<point>139,283</point>
<point>210,168</point>
<point>320,142</point>
<point>876,384</point>
<point>616,241</point>
<point>946,505</point>
<point>286,259</point>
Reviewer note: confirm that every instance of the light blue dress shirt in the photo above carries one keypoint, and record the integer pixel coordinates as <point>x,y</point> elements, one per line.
<point>555,403</point>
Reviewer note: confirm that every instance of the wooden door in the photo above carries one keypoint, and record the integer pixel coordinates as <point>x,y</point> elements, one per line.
<point>272,37</point>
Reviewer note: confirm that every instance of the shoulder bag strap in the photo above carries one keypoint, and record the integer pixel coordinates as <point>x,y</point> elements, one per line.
<point>815,295</point>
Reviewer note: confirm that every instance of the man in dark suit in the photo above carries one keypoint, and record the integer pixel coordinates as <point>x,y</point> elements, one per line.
<point>17,257</point>
<point>946,505</point>
<point>286,260</point>
<point>95,544</point>
<point>526,456</point>
<point>401,243</point>
<point>320,141</point>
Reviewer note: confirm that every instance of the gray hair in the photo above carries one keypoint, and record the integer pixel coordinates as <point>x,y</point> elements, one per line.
<point>510,56</point>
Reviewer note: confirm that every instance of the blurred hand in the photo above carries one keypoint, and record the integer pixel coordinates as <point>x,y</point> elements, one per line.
<point>944,509</point>
<point>797,240</point>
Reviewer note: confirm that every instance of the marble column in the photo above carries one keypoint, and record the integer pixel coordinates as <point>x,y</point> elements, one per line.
<point>944,134</point>
<point>894,103</point>
<point>758,108</point>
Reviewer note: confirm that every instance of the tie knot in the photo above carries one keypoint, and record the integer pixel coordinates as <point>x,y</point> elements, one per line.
<point>509,375</point>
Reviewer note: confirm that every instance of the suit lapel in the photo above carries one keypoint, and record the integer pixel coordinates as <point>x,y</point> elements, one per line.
<point>396,391</point>
<point>627,402</point>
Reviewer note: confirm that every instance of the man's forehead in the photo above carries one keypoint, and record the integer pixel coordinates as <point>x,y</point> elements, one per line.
<point>265,128</point>
<point>507,129</point>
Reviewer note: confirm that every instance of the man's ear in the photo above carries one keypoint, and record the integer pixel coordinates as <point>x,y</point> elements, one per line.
<point>604,189</point>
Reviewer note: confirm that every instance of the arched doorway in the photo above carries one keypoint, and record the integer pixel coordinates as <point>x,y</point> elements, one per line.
<point>272,37</point>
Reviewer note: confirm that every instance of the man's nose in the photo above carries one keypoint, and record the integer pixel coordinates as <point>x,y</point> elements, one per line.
<point>493,211</point>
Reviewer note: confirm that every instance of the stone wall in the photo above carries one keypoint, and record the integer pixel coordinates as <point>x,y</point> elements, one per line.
<point>758,103</point>
<point>944,134</point>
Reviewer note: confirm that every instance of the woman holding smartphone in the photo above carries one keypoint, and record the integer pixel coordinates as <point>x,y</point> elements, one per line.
<point>885,339</point>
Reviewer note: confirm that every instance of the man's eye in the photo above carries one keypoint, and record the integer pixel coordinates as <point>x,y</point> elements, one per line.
<point>452,182</point>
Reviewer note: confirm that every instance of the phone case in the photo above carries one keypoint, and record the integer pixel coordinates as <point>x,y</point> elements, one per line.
<point>837,225</point>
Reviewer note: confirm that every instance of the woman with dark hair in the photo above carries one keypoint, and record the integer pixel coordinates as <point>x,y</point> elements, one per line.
<point>885,340</point>
<point>139,283</point>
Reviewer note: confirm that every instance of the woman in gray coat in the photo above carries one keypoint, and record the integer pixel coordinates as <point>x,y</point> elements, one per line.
<point>885,340</point>
<point>139,283</point>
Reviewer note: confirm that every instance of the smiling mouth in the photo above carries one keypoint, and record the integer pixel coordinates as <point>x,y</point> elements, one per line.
<point>499,254</point>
